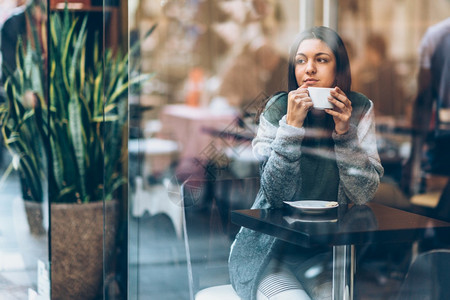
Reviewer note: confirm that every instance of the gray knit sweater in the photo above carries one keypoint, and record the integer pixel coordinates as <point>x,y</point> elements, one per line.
<point>278,148</point>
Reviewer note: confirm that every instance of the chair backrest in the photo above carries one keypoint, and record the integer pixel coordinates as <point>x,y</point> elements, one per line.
<point>208,231</point>
<point>428,277</point>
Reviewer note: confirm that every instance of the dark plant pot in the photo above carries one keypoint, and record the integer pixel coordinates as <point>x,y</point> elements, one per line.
<point>35,217</point>
<point>77,250</point>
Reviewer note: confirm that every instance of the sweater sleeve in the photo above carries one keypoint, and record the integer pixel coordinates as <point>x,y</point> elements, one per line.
<point>278,150</point>
<point>358,161</point>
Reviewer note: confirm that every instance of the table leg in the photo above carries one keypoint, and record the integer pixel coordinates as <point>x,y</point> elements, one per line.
<point>343,271</point>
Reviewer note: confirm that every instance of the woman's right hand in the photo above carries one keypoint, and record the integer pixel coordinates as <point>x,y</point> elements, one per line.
<point>299,104</point>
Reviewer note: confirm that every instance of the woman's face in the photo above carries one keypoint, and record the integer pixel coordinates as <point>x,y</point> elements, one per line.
<point>315,64</point>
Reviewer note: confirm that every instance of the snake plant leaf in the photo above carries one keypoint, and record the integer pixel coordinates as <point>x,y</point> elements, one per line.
<point>136,46</point>
<point>57,158</point>
<point>98,95</point>
<point>37,51</point>
<point>82,73</point>
<point>123,89</point>
<point>80,42</point>
<point>28,164</point>
<point>96,51</point>
<point>6,174</point>
<point>78,142</point>
<point>32,177</point>
<point>105,119</point>
<point>15,106</point>
<point>117,182</point>
<point>20,59</point>
<point>67,192</point>
<point>66,59</point>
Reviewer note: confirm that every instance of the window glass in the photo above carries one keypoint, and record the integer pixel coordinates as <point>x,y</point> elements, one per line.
<point>24,213</point>
<point>214,64</point>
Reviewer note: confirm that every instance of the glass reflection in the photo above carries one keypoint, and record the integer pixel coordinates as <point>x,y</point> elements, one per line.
<point>185,124</point>
<point>24,221</point>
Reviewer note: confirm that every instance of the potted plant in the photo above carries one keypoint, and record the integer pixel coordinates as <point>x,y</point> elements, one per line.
<point>80,134</point>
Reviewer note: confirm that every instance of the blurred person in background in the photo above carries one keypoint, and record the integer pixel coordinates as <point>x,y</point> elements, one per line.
<point>377,78</point>
<point>431,116</point>
<point>258,69</point>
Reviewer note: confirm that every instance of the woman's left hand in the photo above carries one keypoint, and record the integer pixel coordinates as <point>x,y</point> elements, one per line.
<point>342,110</point>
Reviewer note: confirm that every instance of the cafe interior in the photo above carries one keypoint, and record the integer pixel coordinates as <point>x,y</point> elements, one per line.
<point>195,75</point>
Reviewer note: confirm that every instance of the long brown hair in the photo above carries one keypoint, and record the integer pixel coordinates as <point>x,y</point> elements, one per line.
<point>335,43</point>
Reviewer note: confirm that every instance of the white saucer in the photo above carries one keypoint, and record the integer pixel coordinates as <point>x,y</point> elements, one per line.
<point>313,206</point>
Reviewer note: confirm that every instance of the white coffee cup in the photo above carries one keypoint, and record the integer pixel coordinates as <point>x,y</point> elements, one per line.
<point>319,97</point>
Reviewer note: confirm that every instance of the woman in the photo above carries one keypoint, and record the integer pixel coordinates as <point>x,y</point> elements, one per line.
<point>306,153</point>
